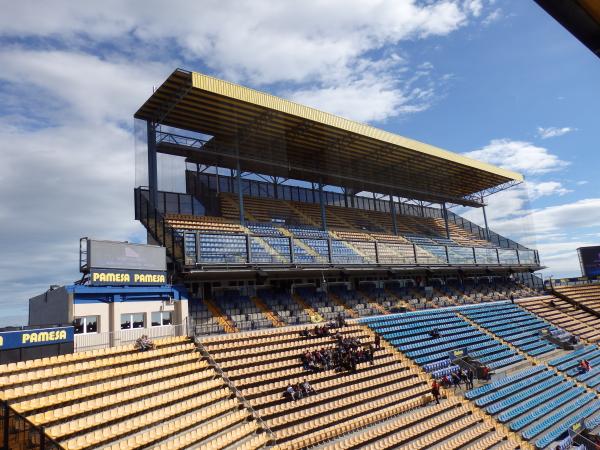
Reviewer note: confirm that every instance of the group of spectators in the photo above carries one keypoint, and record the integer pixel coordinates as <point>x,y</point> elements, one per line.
<point>144,343</point>
<point>345,355</point>
<point>300,390</point>
<point>584,366</point>
<point>316,332</point>
<point>458,378</point>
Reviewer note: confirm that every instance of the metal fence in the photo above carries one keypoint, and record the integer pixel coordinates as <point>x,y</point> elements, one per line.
<point>92,341</point>
<point>18,433</point>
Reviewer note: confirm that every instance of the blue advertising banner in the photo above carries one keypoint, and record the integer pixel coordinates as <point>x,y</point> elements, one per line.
<point>34,338</point>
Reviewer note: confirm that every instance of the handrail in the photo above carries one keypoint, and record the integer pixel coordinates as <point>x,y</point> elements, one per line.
<point>232,386</point>
<point>436,255</point>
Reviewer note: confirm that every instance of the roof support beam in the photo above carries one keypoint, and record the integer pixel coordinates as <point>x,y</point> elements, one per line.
<point>152,163</point>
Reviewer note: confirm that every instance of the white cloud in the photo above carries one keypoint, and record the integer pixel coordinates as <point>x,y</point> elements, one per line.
<point>75,72</point>
<point>582,182</point>
<point>520,156</point>
<point>263,42</point>
<point>492,17</point>
<point>551,132</point>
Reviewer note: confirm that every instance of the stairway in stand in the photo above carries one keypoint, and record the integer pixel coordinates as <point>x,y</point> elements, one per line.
<point>224,321</point>
<point>271,315</point>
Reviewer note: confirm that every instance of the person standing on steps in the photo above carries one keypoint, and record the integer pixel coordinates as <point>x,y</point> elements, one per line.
<point>435,391</point>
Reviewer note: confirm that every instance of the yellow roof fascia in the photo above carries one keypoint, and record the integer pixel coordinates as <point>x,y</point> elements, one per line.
<point>262,99</point>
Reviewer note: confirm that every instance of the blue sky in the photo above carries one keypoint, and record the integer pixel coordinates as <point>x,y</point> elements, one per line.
<point>497,80</point>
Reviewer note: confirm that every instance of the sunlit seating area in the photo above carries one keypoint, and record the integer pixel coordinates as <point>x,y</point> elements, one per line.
<point>514,325</point>
<point>585,295</point>
<point>411,334</point>
<point>536,403</point>
<point>378,406</point>
<point>564,315</point>
<point>124,398</point>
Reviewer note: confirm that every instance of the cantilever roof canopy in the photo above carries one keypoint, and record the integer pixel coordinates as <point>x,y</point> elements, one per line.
<point>277,137</point>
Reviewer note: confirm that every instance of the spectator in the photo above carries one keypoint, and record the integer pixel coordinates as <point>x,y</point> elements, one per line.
<point>512,298</point>
<point>435,391</point>
<point>305,333</point>
<point>434,333</point>
<point>445,381</point>
<point>377,341</point>
<point>486,373</point>
<point>144,343</point>
<point>455,380</point>
<point>340,321</point>
<point>290,393</point>
<point>470,377</point>
<point>307,389</point>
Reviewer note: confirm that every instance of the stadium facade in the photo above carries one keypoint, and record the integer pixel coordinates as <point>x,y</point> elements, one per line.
<point>280,195</point>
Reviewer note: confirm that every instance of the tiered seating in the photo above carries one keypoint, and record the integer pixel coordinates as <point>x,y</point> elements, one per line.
<point>409,333</point>
<point>565,315</point>
<point>382,397</point>
<point>123,398</point>
<point>283,305</point>
<point>569,363</point>
<point>259,209</point>
<point>536,402</point>
<point>587,295</point>
<point>449,425</point>
<point>203,223</point>
<point>354,300</point>
<point>320,302</point>
<point>262,364</point>
<point>204,321</point>
<point>513,324</point>
<point>241,311</point>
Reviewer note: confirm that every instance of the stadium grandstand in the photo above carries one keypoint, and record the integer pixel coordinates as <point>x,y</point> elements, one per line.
<point>309,287</point>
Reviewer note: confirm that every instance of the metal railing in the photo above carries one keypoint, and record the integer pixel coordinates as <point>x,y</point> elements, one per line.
<point>205,353</point>
<point>235,249</point>
<point>93,341</point>
<point>18,433</point>
<point>154,222</point>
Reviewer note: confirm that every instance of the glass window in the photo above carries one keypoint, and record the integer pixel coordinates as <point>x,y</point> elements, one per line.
<point>161,318</point>
<point>134,320</point>
<point>85,324</point>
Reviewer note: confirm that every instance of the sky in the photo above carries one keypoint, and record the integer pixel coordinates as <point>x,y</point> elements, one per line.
<point>496,80</point>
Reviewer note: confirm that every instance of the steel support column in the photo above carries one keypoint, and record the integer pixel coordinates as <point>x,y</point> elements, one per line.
<point>240,193</point>
<point>322,205</point>
<point>152,164</point>
<point>445,213</point>
<point>487,231</point>
<point>393,213</point>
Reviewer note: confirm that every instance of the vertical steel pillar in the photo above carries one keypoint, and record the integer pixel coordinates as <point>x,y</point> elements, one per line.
<point>218,180</point>
<point>240,193</point>
<point>322,205</point>
<point>445,213</point>
<point>152,164</point>
<point>487,231</point>
<point>393,213</point>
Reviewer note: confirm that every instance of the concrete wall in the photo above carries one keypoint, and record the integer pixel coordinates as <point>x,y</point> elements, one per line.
<point>51,307</point>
